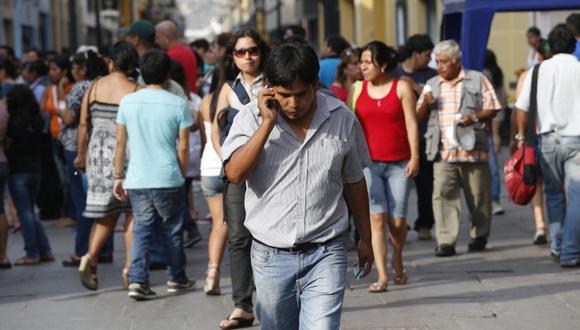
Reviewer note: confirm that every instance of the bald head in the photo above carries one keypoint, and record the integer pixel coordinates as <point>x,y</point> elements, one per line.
<point>166,34</point>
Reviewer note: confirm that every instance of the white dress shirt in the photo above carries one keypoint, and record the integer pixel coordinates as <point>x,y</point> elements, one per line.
<point>558,95</point>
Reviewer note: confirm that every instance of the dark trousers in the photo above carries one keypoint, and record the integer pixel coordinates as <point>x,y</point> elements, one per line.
<point>240,243</point>
<point>424,185</point>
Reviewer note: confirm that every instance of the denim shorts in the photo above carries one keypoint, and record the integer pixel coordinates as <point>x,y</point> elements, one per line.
<point>212,185</point>
<point>388,187</point>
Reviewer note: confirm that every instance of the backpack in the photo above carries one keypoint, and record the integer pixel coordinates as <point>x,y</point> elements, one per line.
<point>226,116</point>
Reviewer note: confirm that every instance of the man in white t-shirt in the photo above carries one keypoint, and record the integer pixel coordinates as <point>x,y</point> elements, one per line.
<point>558,128</point>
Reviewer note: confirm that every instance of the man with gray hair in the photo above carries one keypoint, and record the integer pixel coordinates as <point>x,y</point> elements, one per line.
<point>458,103</point>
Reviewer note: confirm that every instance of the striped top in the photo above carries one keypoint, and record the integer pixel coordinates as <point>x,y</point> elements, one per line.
<point>449,101</point>
<point>295,190</point>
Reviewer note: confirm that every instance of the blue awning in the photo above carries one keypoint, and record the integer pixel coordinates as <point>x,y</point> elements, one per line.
<point>469,22</point>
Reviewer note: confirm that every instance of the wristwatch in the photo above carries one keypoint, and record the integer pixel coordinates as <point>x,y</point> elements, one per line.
<point>519,138</point>
<point>475,119</point>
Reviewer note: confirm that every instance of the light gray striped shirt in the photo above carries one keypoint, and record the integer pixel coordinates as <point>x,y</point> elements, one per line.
<point>295,190</point>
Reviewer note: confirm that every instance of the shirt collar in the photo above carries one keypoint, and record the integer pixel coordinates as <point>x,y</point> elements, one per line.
<point>240,79</point>
<point>457,79</point>
<point>564,57</point>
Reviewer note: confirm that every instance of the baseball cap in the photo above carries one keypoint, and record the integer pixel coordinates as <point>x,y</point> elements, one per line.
<point>143,29</point>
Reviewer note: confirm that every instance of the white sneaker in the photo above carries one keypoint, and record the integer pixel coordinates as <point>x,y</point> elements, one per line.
<point>496,208</point>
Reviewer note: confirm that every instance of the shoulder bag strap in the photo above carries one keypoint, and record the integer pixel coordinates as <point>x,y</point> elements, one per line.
<point>531,129</point>
<point>357,89</point>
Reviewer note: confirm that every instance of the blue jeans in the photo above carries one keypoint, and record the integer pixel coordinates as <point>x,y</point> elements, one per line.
<point>494,171</point>
<point>300,290</point>
<point>158,210</point>
<point>560,166</point>
<point>23,189</point>
<point>78,198</point>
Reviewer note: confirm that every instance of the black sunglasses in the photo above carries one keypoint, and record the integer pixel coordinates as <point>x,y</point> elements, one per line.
<point>241,52</point>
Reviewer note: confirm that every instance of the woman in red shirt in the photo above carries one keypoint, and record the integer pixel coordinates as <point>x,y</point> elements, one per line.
<point>347,73</point>
<point>385,108</point>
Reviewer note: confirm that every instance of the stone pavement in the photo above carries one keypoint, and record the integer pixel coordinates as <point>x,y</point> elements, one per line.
<point>513,285</point>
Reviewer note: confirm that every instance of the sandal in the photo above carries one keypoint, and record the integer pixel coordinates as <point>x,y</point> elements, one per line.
<point>47,258</point>
<point>25,261</point>
<point>88,273</point>
<point>72,261</point>
<point>400,273</point>
<point>400,278</point>
<point>125,278</point>
<point>212,284</point>
<point>241,322</point>
<point>377,287</point>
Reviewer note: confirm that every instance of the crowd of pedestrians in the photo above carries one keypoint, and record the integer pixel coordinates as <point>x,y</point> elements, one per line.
<point>299,157</point>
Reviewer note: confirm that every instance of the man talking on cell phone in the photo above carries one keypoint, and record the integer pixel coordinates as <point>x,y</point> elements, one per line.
<point>298,151</point>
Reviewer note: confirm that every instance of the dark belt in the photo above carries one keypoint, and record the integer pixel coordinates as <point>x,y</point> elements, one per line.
<point>297,248</point>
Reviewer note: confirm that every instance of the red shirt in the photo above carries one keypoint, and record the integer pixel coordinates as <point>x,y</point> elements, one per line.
<point>383,124</point>
<point>340,92</point>
<point>184,55</point>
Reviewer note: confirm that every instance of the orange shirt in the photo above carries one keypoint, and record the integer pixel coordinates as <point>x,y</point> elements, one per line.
<point>50,106</point>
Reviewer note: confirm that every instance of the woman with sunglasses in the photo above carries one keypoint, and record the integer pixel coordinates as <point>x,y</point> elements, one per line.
<point>347,72</point>
<point>385,108</point>
<point>246,53</point>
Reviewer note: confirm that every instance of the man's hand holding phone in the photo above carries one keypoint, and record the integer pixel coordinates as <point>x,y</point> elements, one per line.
<point>268,106</point>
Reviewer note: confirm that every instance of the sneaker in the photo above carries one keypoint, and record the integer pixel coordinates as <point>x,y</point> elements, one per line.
<point>424,234</point>
<point>190,241</point>
<point>477,244</point>
<point>174,286</point>
<point>555,257</point>
<point>140,292</point>
<point>570,264</point>
<point>496,208</point>
<point>540,237</point>
<point>445,250</point>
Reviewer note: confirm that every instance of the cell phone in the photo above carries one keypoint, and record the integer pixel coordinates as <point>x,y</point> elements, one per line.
<point>272,104</point>
<point>358,271</point>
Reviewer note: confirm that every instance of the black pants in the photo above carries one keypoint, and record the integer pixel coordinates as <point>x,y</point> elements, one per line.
<point>424,185</point>
<point>240,243</point>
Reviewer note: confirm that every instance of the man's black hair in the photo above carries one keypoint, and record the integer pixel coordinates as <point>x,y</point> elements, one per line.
<point>39,54</point>
<point>337,43</point>
<point>297,30</point>
<point>290,62</point>
<point>38,67</point>
<point>561,40</point>
<point>382,55</point>
<point>573,22</point>
<point>535,31</point>
<point>10,67</point>
<point>155,66</point>
<point>200,43</point>
<point>9,50</point>
<point>295,40</point>
<point>416,43</point>
<point>125,57</point>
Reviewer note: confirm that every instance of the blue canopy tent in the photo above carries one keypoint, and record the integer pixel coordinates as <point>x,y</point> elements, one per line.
<point>469,22</point>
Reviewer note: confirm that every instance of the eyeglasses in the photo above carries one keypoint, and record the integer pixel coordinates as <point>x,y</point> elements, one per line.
<point>241,52</point>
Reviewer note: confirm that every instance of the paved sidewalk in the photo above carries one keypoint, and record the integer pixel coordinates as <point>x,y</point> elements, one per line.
<point>513,285</point>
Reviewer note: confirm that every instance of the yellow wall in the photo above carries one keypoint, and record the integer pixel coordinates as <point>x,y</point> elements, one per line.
<point>346,19</point>
<point>507,39</point>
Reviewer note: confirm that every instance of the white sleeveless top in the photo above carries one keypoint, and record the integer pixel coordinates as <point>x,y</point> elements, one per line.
<point>211,163</point>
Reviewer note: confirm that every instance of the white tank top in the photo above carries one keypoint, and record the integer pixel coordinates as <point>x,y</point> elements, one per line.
<point>211,163</point>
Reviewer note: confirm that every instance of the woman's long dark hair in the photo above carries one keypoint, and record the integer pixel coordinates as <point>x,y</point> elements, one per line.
<point>95,65</point>
<point>64,64</point>
<point>24,110</point>
<point>490,63</point>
